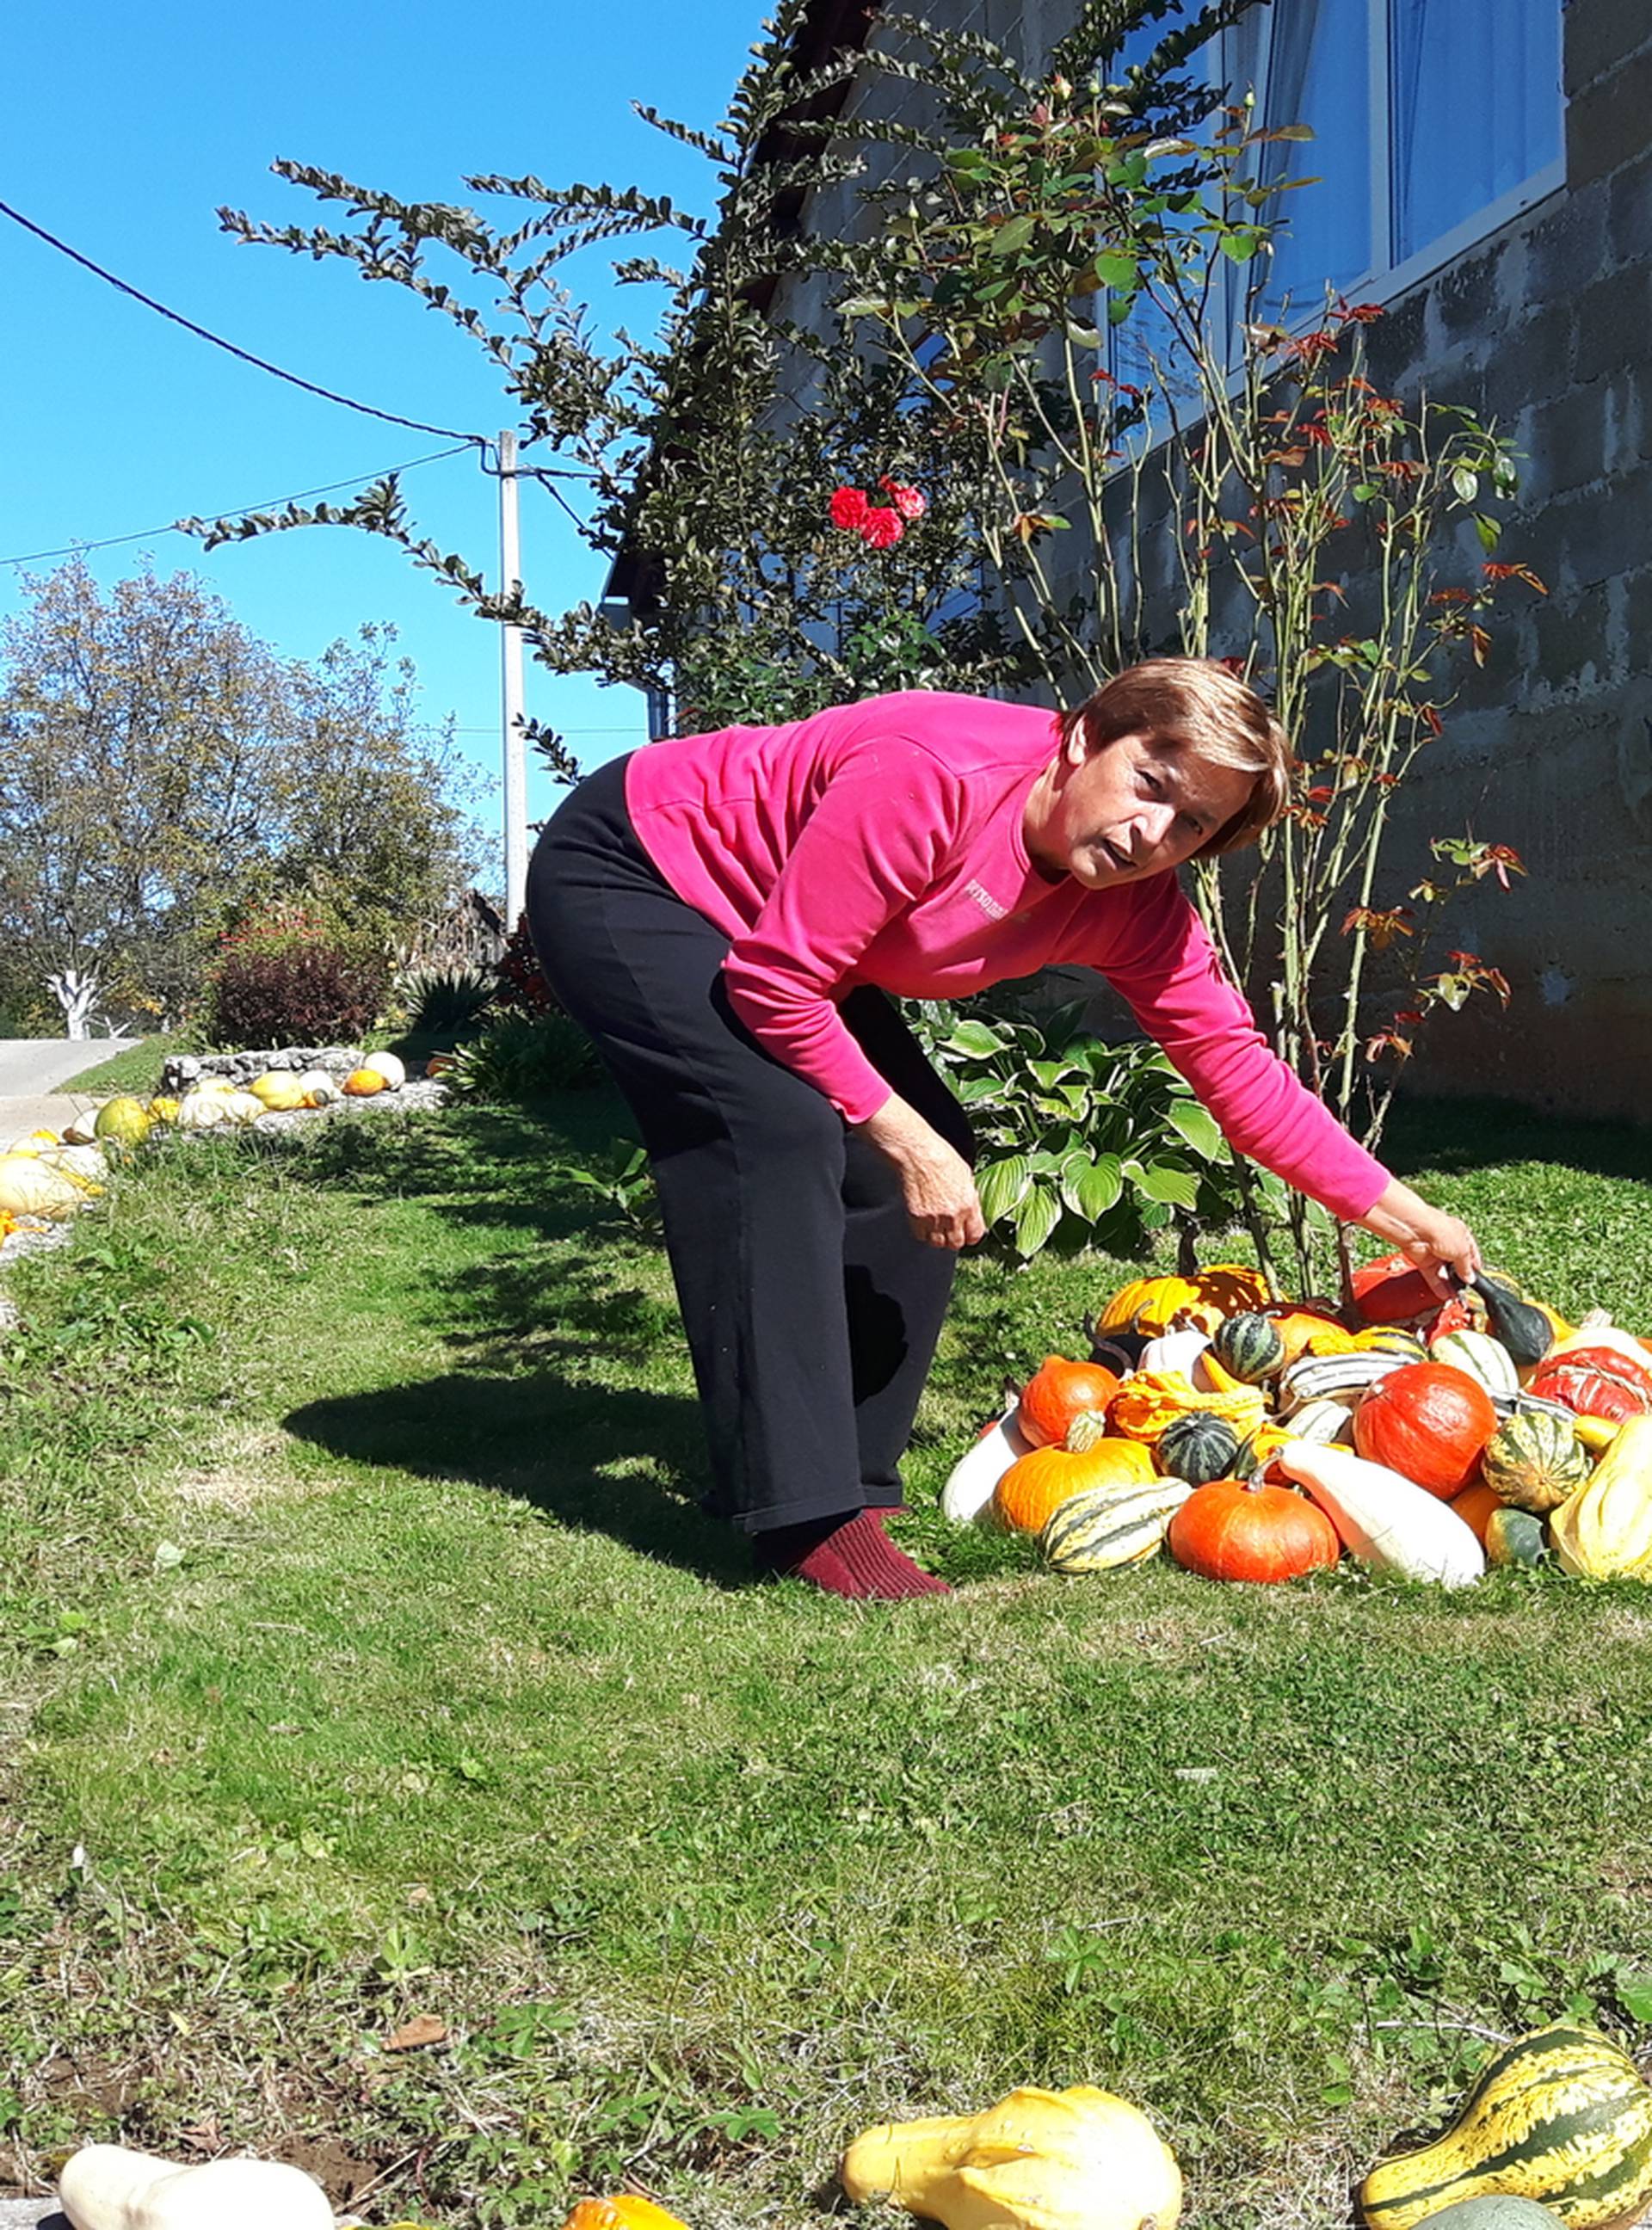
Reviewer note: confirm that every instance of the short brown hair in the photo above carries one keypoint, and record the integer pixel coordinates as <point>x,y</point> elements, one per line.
<point>1202,704</point>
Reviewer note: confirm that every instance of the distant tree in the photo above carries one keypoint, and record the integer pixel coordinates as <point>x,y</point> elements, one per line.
<point>161,769</point>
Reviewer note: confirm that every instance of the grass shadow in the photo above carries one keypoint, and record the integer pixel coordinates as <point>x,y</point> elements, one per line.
<point>1454,1136</point>
<point>591,1457</point>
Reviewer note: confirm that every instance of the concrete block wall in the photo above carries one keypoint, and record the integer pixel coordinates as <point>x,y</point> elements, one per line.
<point>1548,328</point>
<point>1545,326</point>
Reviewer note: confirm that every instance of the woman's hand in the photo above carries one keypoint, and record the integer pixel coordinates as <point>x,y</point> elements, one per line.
<point>942,1205</point>
<point>1436,1243</point>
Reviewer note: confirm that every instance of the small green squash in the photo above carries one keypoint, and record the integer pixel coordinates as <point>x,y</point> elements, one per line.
<point>1515,1537</point>
<point>1534,1460</point>
<point>1561,2116</point>
<point>1198,1447</point>
<point>1250,1346</point>
<point>1105,1530</point>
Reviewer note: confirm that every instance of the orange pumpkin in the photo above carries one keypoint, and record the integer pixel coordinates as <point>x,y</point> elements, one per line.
<point>1036,1486</point>
<point>1428,1421</point>
<point>1474,1506</point>
<point>1238,1529</point>
<point>629,2211</point>
<point>1296,1326</point>
<point>363,1083</point>
<point>1059,1391</point>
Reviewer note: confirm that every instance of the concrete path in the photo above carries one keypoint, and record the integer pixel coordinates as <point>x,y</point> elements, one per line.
<point>29,1068</point>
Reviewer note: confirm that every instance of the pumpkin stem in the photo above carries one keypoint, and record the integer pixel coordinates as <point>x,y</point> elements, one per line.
<point>1089,1426</point>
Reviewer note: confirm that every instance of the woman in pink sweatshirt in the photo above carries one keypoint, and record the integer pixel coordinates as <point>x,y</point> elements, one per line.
<point>732,917</point>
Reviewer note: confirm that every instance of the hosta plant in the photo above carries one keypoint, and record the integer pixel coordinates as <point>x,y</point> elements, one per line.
<point>1080,1142</point>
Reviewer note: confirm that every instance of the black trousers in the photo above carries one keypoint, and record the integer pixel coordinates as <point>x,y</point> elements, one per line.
<point>812,1313</point>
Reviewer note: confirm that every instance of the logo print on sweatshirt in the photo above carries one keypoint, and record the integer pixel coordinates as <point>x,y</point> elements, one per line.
<point>986,900</point>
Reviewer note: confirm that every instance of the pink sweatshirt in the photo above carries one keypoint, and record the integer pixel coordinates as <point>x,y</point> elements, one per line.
<point>882,843</point>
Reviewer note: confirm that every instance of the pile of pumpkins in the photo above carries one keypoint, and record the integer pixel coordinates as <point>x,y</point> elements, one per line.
<point>1258,1438</point>
<point>43,1177</point>
<point>1555,2134</point>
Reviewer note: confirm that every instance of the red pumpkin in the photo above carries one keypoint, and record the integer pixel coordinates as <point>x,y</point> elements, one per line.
<point>1391,1290</point>
<point>1057,1392</point>
<point>1429,1422</point>
<point>1595,1382</point>
<point>1238,1529</point>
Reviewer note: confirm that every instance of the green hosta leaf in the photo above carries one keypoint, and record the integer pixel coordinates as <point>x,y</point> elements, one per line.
<point>974,1038</point>
<point>1163,1181</point>
<point>1002,1185</point>
<point>1199,1127</point>
<point>1051,1073</point>
<point>1037,1216</point>
<point>971,1090</point>
<point>1090,1187</point>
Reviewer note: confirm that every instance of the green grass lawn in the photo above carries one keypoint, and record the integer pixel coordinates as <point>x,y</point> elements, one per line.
<point>367,1657</point>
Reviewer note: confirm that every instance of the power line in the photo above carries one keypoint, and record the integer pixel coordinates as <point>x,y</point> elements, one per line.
<point>261,364</point>
<point>148,534</point>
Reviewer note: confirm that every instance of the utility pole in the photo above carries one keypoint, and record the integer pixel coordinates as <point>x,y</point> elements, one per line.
<point>511,711</point>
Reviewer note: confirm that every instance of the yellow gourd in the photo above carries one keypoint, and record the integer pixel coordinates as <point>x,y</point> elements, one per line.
<point>627,2211</point>
<point>365,1083</point>
<point>1040,2160</point>
<point>1604,1531</point>
<point>1150,1304</point>
<point>1150,1400</point>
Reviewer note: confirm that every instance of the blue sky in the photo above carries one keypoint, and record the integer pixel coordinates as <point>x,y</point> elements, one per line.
<point>127,127</point>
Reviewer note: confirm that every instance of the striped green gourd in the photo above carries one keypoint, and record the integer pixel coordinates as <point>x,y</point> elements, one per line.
<point>1533,1461</point>
<point>1248,1346</point>
<point>1480,1358</point>
<point>1323,1377</point>
<point>1198,1447</point>
<point>1103,1531</point>
<point>1561,2116</point>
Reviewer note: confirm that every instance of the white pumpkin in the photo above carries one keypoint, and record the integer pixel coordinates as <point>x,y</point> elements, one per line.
<point>387,1065</point>
<point>242,1109</point>
<point>319,1089</point>
<point>200,1111</point>
<point>107,2187</point>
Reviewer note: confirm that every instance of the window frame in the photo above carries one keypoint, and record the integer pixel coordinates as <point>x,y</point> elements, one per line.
<point>1384,280</point>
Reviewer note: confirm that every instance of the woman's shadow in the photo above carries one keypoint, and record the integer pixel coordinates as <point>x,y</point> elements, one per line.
<point>593,1458</point>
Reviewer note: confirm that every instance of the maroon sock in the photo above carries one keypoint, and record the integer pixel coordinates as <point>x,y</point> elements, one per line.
<point>846,1554</point>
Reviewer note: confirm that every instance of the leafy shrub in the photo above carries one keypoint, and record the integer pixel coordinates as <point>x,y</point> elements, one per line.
<point>282,977</point>
<point>443,1002</point>
<point>521,1057</point>
<point>521,988</point>
<point>1081,1143</point>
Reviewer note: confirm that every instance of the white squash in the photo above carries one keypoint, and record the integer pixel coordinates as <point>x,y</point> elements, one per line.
<point>30,1186</point>
<point>242,1109</point>
<point>106,2187</point>
<point>319,1089</point>
<point>966,1498</point>
<point>201,1111</point>
<point>388,1066</point>
<point>1383,1519</point>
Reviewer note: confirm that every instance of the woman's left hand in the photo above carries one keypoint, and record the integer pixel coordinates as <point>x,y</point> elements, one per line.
<point>1442,1246</point>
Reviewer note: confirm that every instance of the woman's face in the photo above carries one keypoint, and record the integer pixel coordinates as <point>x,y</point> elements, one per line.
<point>1129,810</point>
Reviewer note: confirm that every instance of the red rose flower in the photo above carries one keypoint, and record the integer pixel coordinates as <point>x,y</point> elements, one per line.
<point>910,502</point>
<point>882,527</point>
<point>850,509</point>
